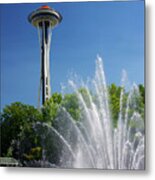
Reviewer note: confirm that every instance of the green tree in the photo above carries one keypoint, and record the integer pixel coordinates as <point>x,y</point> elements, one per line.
<point>21,139</point>
<point>50,108</point>
<point>114,102</point>
<point>142,92</point>
<point>85,95</point>
<point>142,102</point>
<point>17,133</point>
<point>71,104</point>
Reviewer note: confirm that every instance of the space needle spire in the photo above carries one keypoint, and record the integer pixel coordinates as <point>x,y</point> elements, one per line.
<point>45,19</point>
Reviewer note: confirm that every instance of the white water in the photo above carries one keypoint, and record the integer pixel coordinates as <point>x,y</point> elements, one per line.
<point>93,142</point>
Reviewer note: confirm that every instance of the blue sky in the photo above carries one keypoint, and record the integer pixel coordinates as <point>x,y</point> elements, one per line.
<point>114,30</point>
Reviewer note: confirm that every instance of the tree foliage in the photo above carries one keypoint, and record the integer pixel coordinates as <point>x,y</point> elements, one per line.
<point>17,134</point>
<point>114,101</point>
<point>50,108</point>
<point>17,121</point>
<point>70,103</point>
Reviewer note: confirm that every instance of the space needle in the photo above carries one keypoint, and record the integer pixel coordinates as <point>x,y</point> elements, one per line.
<point>45,19</point>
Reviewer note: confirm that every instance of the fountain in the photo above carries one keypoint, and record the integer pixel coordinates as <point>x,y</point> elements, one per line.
<point>94,142</point>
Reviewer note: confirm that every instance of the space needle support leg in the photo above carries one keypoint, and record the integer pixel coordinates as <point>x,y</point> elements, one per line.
<point>43,66</point>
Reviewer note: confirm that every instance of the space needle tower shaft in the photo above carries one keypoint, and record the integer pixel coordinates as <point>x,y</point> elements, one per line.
<point>45,19</point>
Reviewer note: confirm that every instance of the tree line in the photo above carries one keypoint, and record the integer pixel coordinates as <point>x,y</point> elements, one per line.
<point>17,133</point>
